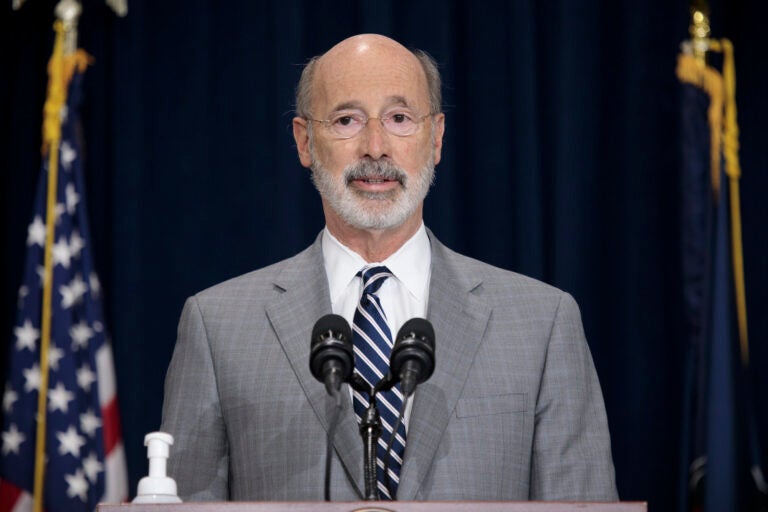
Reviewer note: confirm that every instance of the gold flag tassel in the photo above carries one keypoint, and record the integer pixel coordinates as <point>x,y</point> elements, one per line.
<point>733,171</point>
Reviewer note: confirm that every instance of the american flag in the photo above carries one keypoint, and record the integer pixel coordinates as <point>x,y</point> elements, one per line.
<point>84,450</point>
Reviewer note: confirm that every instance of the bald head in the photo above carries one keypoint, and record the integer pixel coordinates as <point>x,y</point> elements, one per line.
<point>357,55</point>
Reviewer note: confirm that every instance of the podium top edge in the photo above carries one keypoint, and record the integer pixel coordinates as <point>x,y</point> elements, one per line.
<point>383,506</point>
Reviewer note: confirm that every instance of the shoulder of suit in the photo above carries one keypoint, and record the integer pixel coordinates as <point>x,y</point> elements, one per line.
<point>494,280</point>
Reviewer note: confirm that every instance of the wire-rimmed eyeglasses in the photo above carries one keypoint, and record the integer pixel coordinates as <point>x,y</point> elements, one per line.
<point>346,124</point>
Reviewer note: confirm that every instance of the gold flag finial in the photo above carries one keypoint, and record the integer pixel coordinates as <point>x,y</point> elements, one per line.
<point>68,12</point>
<point>699,31</point>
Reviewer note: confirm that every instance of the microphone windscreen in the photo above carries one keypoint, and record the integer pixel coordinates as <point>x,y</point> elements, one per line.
<point>414,350</point>
<point>333,323</point>
<point>419,328</point>
<point>331,355</point>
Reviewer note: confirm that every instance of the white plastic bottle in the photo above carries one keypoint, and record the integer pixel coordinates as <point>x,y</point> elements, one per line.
<point>157,487</point>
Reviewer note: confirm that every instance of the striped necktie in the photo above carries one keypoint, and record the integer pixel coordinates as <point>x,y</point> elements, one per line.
<point>372,339</point>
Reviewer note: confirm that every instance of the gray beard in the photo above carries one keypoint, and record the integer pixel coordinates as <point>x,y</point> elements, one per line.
<point>373,210</point>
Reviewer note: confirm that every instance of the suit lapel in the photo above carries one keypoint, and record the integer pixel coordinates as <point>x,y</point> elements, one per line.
<point>459,317</point>
<point>303,298</point>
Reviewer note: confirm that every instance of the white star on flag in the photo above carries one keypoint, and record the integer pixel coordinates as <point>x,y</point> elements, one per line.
<point>61,253</point>
<point>70,442</point>
<point>23,292</point>
<point>76,243</point>
<point>59,398</point>
<point>78,485</point>
<point>80,334</point>
<point>92,467</point>
<point>55,354</point>
<point>85,377</point>
<point>89,422</point>
<point>26,336</point>
<point>72,198</point>
<point>36,232</point>
<point>58,211</point>
<point>9,397</point>
<point>72,294</point>
<point>93,280</point>
<point>40,271</point>
<point>68,155</point>
<point>32,378</point>
<point>12,439</point>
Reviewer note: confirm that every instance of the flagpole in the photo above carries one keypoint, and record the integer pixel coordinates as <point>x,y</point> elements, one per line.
<point>67,12</point>
<point>51,139</point>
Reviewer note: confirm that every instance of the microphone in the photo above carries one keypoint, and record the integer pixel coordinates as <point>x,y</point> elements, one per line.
<point>331,357</point>
<point>331,360</point>
<point>411,362</point>
<point>413,355</point>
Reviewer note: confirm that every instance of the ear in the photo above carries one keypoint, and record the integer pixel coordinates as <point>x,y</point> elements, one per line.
<point>301,136</point>
<point>437,138</point>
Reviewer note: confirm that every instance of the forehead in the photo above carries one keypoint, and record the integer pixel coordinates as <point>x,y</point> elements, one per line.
<point>370,78</point>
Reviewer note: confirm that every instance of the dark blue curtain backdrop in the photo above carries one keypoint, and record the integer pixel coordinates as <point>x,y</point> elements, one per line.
<point>561,161</point>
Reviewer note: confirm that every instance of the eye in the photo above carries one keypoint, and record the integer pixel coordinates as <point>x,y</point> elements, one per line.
<point>400,118</point>
<point>347,119</point>
<point>344,120</point>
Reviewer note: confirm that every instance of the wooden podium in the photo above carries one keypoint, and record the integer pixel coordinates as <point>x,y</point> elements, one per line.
<point>385,506</point>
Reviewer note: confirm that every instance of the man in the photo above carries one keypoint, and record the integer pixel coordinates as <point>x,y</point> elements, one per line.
<point>513,410</point>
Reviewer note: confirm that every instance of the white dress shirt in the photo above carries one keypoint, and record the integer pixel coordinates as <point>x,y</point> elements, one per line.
<point>403,296</point>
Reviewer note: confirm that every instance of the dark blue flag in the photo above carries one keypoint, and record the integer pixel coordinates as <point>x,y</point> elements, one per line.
<point>720,453</point>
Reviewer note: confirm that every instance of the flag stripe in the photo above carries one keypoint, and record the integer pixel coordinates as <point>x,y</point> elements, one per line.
<point>105,370</point>
<point>111,421</point>
<point>116,486</point>
<point>9,494</point>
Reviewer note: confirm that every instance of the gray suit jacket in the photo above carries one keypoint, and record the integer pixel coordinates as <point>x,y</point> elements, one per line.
<point>513,410</point>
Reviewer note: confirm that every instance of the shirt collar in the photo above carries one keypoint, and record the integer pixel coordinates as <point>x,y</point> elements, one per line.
<point>410,264</point>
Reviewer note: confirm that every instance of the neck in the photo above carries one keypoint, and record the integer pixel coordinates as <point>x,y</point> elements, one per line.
<point>374,245</point>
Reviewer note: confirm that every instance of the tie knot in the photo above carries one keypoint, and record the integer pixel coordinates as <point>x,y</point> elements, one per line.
<point>373,278</point>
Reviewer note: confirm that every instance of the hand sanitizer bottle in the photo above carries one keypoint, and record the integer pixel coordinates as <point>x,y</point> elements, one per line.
<point>157,487</point>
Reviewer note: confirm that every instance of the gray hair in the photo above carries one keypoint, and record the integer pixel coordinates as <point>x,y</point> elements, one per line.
<point>428,64</point>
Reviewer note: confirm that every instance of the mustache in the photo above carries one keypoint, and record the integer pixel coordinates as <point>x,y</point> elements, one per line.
<point>380,169</point>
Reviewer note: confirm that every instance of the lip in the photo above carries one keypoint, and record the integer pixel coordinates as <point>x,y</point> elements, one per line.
<point>374,184</point>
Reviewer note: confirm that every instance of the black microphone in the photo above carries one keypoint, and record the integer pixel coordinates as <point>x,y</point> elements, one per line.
<point>331,357</point>
<point>413,355</point>
<point>412,362</point>
<point>331,360</point>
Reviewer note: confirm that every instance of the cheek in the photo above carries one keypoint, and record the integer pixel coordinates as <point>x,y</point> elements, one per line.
<point>334,157</point>
<point>416,156</point>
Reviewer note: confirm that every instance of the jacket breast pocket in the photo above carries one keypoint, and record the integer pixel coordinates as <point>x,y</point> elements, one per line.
<point>495,404</point>
<point>487,441</point>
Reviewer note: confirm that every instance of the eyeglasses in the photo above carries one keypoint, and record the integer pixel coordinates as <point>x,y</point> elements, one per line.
<point>345,124</point>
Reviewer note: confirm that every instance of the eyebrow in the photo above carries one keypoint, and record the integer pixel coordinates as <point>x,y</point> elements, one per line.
<point>395,100</point>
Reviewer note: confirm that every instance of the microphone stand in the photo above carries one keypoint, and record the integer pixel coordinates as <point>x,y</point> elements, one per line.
<point>370,431</point>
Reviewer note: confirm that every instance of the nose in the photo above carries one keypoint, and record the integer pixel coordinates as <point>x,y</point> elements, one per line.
<point>374,140</point>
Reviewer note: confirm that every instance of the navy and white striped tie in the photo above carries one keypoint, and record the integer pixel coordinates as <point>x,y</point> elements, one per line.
<point>372,339</point>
